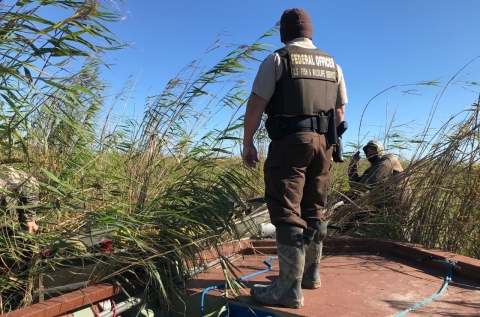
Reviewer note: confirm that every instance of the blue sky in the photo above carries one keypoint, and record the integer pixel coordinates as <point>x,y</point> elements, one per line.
<point>379,44</point>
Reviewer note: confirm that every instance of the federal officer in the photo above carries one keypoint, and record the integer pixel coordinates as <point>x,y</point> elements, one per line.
<point>302,90</point>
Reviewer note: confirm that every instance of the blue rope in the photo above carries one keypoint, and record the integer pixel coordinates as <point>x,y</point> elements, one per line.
<point>210,288</point>
<point>448,278</point>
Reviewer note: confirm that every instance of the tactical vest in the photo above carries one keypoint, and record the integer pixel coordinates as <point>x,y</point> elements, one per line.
<point>308,84</point>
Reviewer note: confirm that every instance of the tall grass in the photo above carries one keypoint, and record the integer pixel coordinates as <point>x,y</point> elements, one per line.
<point>447,182</point>
<point>47,108</point>
<point>442,171</point>
<point>161,186</point>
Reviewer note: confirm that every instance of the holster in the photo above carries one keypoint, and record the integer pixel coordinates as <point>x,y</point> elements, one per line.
<point>331,135</point>
<point>338,150</point>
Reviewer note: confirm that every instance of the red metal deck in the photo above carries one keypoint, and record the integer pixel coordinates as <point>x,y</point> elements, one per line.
<point>360,277</point>
<point>363,277</point>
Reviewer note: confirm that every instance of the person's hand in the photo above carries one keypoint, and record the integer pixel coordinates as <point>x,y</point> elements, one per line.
<point>249,155</point>
<point>31,226</point>
<point>356,157</point>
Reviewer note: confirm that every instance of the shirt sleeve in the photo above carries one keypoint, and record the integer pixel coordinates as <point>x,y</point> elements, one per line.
<point>342,88</point>
<point>356,181</point>
<point>353,172</point>
<point>268,73</point>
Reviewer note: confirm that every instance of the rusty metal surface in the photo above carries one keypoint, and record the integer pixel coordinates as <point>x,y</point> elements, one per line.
<point>360,277</point>
<point>358,282</point>
<point>68,302</point>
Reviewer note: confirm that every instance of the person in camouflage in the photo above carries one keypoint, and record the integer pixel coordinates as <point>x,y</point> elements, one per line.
<point>17,188</point>
<point>383,176</point>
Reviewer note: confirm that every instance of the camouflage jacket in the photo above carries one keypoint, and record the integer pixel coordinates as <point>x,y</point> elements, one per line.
<point>377,173</point>
<point>385,181</point>
<point>17,188</point>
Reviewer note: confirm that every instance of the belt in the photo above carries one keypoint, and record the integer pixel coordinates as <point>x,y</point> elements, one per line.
<point>318,124</point>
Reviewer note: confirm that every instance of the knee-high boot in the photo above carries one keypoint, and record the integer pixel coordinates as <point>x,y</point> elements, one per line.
<point>313,254</point>
<point>287,290</point>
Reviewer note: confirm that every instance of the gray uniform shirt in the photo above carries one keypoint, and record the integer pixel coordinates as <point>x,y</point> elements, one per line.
<point>271,70</point>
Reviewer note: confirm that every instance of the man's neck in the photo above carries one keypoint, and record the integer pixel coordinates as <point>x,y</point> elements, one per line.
<point>301,41</point>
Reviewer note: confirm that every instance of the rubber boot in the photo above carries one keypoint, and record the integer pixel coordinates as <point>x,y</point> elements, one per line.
<point>313,254</point>
<point>287,290</point>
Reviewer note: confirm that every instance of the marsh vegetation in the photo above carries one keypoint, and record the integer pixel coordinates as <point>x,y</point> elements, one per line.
<point>163,186</point>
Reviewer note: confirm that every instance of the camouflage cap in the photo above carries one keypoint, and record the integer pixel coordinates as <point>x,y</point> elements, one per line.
<point>376,144</point>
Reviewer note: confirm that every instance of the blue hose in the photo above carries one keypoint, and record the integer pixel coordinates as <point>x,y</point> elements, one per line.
<point>210,288</point>
<point>448,278</point>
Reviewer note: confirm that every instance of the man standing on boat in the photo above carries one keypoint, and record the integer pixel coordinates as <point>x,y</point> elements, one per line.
<point>302,90</point>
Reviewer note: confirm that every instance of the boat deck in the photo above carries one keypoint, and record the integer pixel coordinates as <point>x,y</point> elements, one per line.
<point>360,277</point>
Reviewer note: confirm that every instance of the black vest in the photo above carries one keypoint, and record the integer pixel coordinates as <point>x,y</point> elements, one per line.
<point>308,84</point>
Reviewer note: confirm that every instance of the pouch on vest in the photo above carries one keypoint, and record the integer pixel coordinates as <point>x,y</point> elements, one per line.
<point>274,126</point>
